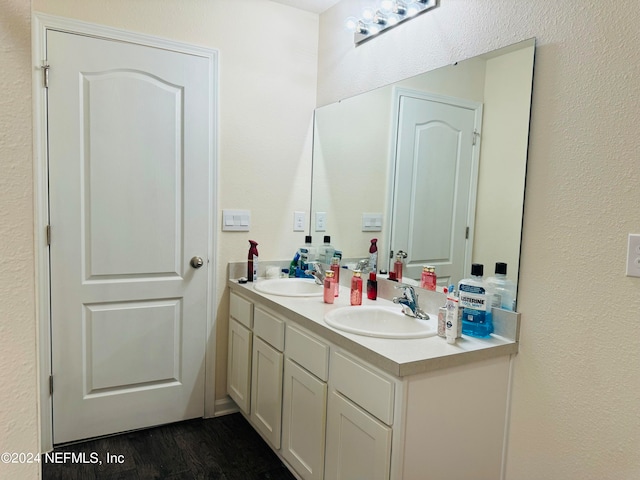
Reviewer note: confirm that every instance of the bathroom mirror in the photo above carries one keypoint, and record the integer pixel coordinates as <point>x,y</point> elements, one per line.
<point>398,164</point>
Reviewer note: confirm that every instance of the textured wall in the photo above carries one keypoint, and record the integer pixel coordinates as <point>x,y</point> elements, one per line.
<point>575,409</point>
<point>18,391</point>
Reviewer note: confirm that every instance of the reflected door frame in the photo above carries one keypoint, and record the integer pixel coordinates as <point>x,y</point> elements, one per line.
<point>397,93</point>
<point>41,24</point>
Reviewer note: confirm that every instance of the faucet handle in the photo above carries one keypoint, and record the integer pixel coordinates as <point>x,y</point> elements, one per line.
<point>408,290</point>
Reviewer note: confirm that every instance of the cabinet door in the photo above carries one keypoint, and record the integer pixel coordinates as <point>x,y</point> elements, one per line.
<point>266,391</point>
<point>358,445</point>
<point>303,423</point>
<point>239,365</point>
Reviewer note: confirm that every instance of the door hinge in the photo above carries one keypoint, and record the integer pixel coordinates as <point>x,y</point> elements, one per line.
<point>48,234</point>
<point>50,384</point>
<point>476,134</point>
<point>466,234</point>
<point>45,73</point>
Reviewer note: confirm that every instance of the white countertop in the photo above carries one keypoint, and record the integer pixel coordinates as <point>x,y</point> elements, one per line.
<point>399,357</point>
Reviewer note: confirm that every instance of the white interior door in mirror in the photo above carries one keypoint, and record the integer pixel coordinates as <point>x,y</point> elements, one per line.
<point>435,183</point>
<point>129,136</point>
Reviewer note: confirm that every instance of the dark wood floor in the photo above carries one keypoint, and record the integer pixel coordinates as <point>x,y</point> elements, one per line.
<point>223,448</point>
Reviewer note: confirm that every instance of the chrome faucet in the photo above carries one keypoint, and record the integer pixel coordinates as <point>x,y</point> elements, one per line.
<point>409,302</point>
<point>316,269</point>
<point>363,265</point>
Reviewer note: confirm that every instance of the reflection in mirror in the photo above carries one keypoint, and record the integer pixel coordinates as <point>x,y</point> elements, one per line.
<point>440,158</point>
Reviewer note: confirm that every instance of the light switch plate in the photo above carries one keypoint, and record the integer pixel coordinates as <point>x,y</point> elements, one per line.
<point>236,220</point>
<point>298,222</point>
<point>371,222</point>
<point>633,255</point>
<point>321,221</point>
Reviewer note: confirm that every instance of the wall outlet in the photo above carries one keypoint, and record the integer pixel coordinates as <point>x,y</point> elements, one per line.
<point>633,256</point>
<point>298,222</point>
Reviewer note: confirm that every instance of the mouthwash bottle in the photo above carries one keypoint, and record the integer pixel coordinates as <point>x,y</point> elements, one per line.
<point>475,300</point>
<point>326,251</point>
<point>504,289</point>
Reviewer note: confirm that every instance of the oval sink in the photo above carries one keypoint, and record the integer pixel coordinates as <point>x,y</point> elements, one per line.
<point>290,287</point>
<point>383,322</point>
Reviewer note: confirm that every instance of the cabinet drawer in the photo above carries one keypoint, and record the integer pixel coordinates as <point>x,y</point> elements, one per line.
<point>241,310</point>
<point>363,386</point>
<point>308,352</point>
<point>268,327</point>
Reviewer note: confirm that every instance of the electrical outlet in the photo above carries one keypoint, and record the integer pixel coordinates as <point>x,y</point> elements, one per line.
<point>298,222</point>
<point>633,256</point>
<point>321,221</point>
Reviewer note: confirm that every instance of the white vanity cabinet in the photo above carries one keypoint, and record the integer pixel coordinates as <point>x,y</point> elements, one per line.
<point>266,374</point>
<point>305,402</point>
<point>240,351</point>
<point>333,410</point>
<point>359,419</point>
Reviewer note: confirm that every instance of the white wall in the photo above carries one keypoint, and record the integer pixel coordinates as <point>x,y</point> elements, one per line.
<point>18,387</point>
<point>576,413</point>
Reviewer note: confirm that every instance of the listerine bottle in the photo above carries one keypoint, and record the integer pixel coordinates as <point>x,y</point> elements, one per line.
<point>475,300</point>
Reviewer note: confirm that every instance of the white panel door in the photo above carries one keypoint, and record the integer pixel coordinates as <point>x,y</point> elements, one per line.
<point>434,180</point>
<point>304,413</point>
<point>129,157</point>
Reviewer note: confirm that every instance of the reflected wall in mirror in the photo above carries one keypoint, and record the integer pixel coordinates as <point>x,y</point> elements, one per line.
<point>360,143</point>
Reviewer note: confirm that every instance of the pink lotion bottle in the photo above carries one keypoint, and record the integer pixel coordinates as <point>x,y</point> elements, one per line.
<point>397,266</point>
<point>329,287</point>
<point>428,280</point>
<point>356,288</point>
<point>335,268</point>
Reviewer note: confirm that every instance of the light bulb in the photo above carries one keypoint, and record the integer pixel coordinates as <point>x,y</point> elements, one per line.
<point>380,18</point>
<point>374,29</point>
<point>392,20</point>
<point>387,6</point>
<point>368,14</point>
<point>351,24</point>
<point>412,10</point>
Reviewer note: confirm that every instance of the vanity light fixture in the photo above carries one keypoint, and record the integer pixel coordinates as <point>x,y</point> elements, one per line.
<point>389,14</point>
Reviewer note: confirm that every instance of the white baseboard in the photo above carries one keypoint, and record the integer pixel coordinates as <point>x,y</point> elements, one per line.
<point>224,406</point>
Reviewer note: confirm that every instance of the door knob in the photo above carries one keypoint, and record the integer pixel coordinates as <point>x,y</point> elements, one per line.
<point>196,262</point>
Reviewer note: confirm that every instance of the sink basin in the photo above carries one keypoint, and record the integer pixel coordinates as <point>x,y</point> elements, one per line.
<point>383,322</point>
<point>290,287</point>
